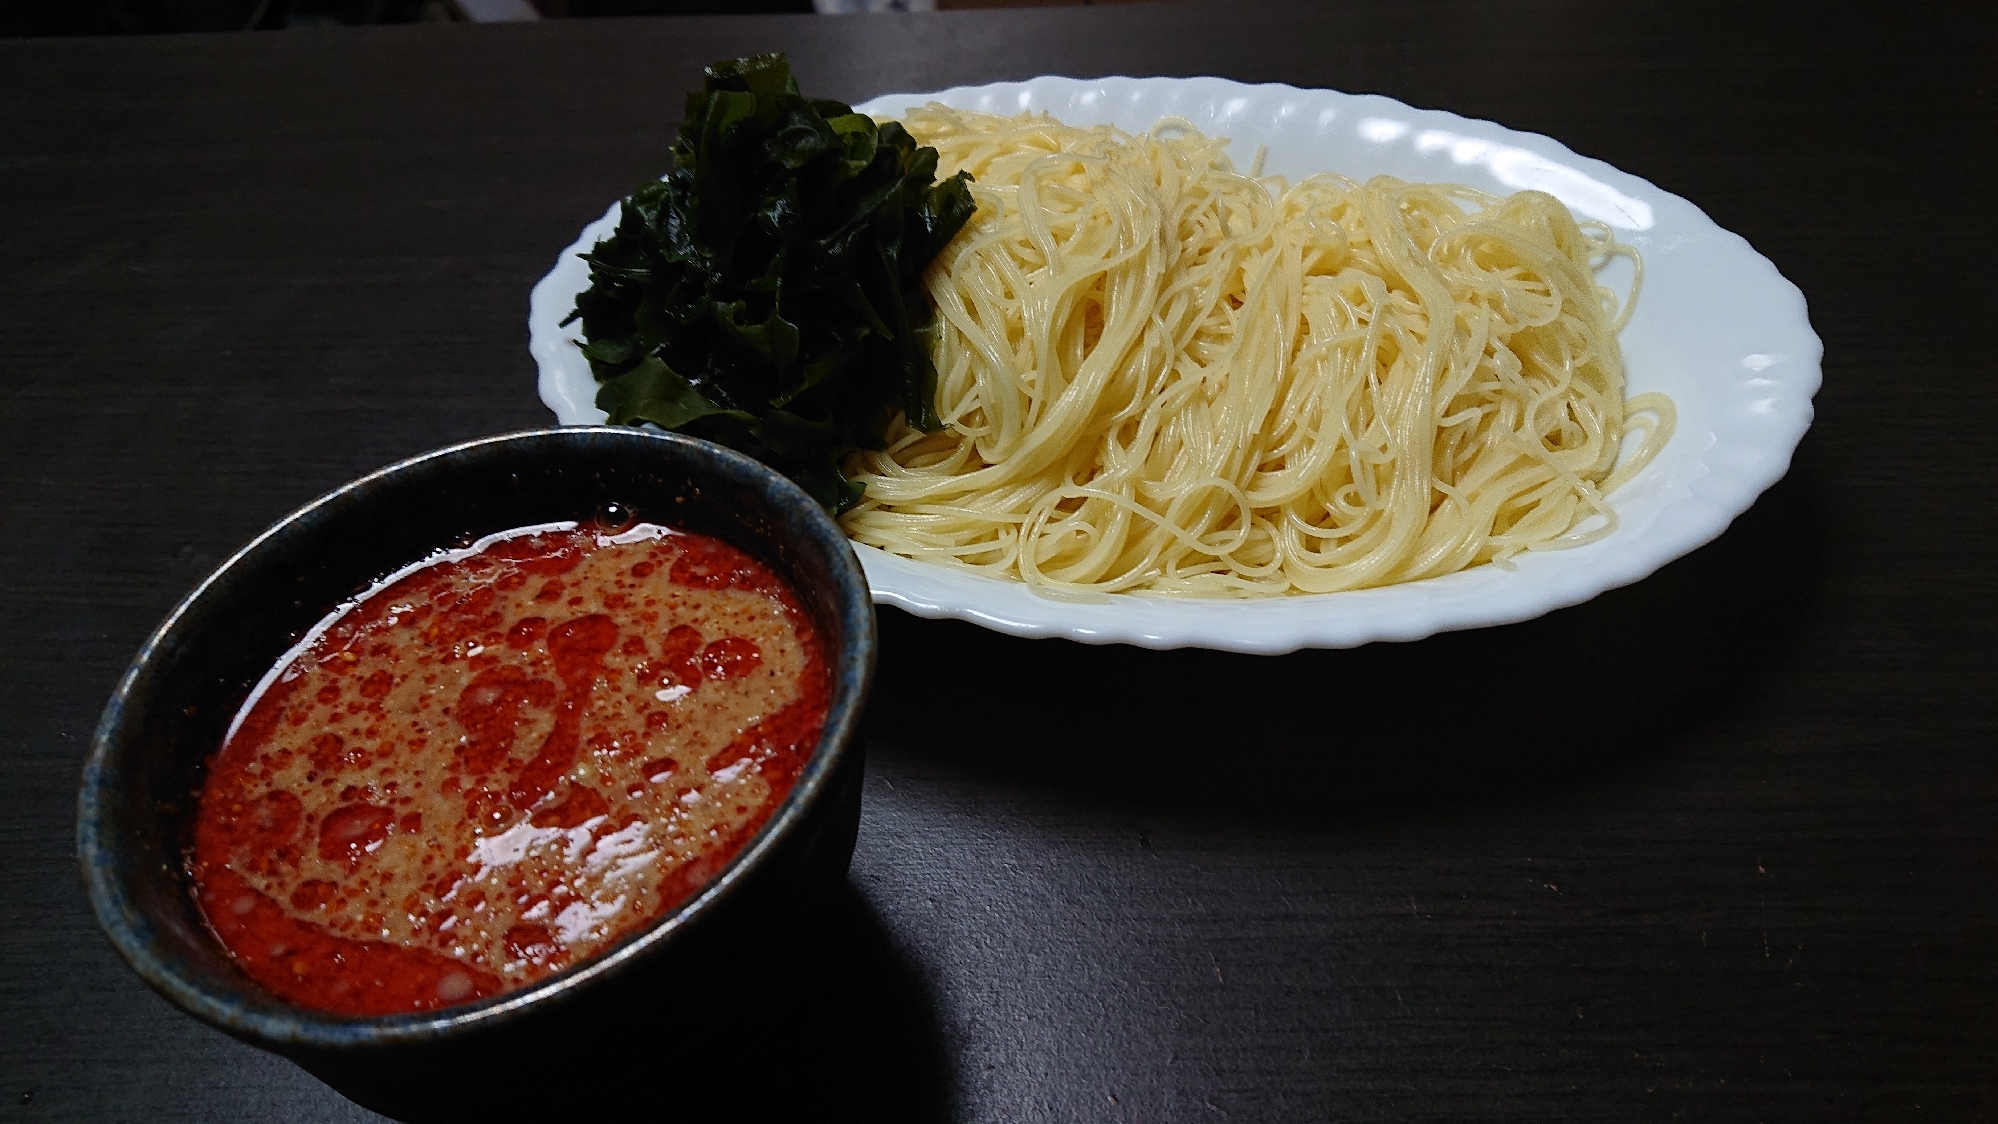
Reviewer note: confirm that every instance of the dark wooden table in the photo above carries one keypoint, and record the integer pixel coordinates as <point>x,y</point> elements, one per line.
<point>1752,875</point>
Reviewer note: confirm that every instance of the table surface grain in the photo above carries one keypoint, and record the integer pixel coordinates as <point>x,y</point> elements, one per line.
<point>1742,870</point>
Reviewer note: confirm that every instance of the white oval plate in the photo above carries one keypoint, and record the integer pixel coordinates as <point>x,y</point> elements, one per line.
<point>1716,327</point>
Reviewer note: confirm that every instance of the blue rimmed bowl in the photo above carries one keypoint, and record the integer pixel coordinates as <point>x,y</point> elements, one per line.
<point>174,704</point>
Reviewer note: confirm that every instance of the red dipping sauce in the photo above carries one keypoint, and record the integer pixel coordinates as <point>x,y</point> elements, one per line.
<point>502,760</point>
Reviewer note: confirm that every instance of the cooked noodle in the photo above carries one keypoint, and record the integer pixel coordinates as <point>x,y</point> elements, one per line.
<point>1159,374</point>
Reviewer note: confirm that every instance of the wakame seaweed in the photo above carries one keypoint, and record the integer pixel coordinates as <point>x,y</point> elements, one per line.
<point>767,294</point>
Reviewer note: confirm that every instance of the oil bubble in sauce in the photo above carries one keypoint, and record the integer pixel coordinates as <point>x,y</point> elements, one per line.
<point>615,518</point>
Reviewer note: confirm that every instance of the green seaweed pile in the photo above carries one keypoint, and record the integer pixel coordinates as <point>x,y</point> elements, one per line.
<point>767,294</point>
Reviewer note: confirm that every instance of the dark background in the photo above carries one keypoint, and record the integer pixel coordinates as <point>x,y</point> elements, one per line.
<point>168,17</point>
<point>1743,871</point>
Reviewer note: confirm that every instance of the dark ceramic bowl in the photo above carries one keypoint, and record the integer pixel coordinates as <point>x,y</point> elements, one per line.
<point>174,704</point>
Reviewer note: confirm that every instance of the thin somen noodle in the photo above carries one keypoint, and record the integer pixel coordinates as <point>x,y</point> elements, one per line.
<point>1159,374</point>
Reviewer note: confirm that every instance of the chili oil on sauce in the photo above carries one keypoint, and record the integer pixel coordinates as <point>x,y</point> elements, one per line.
<point>496,764</point>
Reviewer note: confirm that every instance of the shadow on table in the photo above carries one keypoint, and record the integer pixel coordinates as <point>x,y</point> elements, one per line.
<point>1480,717</point>
<point>836,1026</point>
